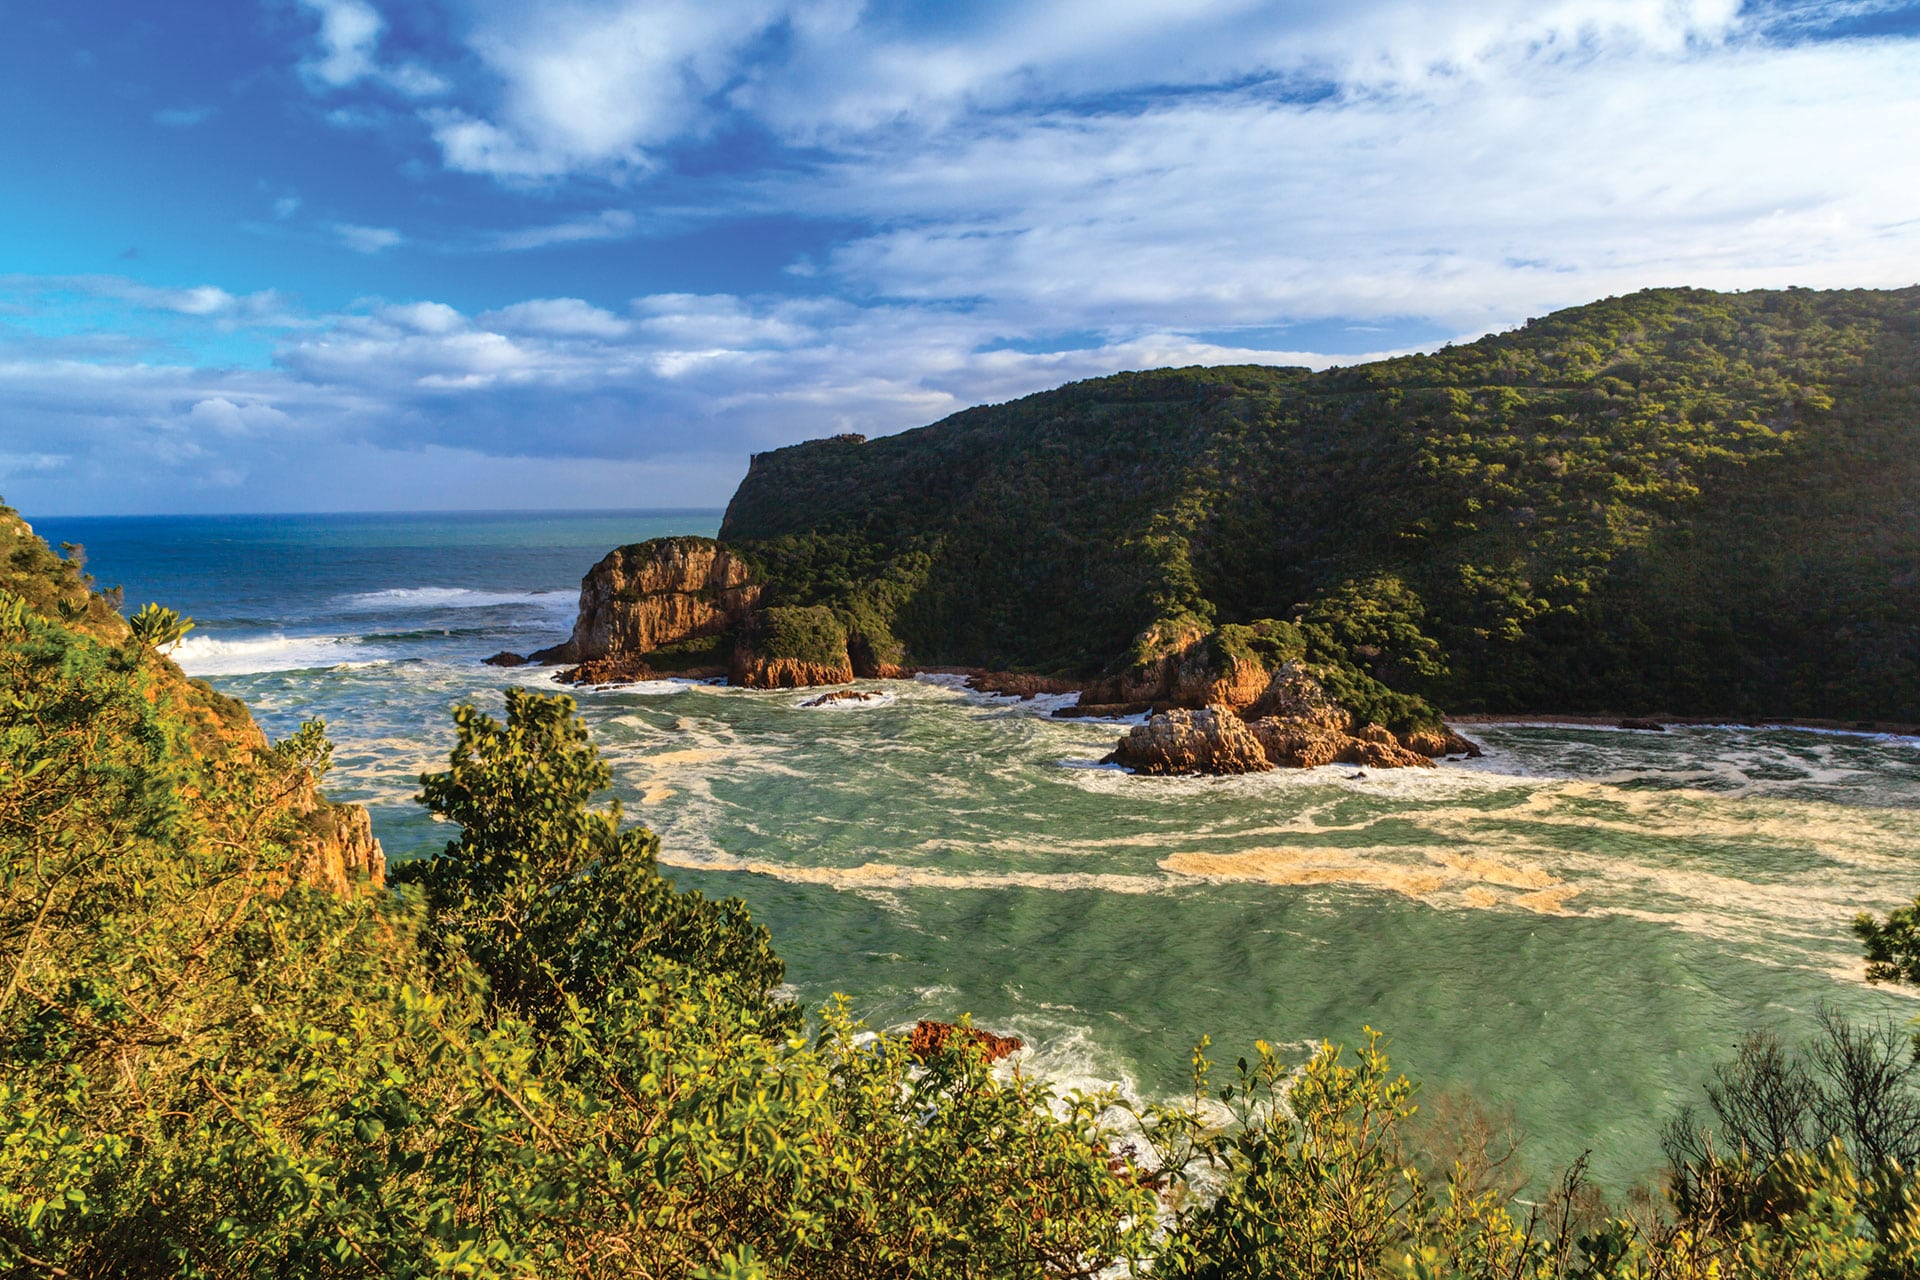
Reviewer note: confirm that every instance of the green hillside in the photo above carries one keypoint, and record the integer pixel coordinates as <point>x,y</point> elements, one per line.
<point>1679,500</point>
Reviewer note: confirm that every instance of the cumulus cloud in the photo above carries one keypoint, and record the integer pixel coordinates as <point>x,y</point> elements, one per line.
<point>590,86</point>
<point>680,389</point>
<point>566,317</point>
<point>1478,202</point>
<point>349,35</point>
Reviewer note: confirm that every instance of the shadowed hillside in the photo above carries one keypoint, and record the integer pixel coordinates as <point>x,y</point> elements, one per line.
<point>1699,502</point>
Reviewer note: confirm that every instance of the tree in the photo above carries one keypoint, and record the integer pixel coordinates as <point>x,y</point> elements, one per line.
<point>159,628</point>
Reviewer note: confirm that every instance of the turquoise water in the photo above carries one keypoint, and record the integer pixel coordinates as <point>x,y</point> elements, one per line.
<point>1577,925</point>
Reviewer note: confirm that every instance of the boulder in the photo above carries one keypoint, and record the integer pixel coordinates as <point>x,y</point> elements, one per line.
<point>1293,743</point>
<point>1440,742</point>
<point>1210,740</point>
<point>506,658</point>
<point>784,673</point>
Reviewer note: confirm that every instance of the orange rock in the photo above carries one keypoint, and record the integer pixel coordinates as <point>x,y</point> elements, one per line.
<point>651,594</point>
<point>929,1038</point>
<point>1210,740</point>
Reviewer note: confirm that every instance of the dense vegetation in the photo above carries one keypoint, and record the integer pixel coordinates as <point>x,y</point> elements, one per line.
<point>1683,500</point>
<point>535,1057</point>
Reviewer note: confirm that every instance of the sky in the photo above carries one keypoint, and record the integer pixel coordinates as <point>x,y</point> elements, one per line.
<point>348,255</point>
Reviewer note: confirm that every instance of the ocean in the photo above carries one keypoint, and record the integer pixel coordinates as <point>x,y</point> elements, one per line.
<point>1574,928</point>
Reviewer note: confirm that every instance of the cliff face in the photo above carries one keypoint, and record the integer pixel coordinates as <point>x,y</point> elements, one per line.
<point>650,595</point>
<point>341,850</point>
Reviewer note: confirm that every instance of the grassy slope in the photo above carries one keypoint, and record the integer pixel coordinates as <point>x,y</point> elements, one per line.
<point>1707,503</point>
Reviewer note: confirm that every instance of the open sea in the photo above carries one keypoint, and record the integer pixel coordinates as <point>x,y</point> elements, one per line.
<point>1576,926</point>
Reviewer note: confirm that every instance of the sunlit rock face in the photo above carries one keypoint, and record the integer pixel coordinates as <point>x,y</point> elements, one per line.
<point>646,596</point>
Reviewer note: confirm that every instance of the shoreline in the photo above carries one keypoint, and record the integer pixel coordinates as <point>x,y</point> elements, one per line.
<point>1863,728</point>
<point>1025,686</point>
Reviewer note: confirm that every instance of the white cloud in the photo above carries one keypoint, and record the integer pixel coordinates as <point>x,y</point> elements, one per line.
<point>367,239</point>
<point>349,36</point>
<point>589,86</point>
<point>224,417</point>
<point>286,206</point>
<point>608,224</point>
<point>690,384</point>
<point>565,317</point>
<point>1476,201</point>
<point>349,48</point>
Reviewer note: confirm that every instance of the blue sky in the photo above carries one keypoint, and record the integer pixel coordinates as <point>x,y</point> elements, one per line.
<point>263,255</point>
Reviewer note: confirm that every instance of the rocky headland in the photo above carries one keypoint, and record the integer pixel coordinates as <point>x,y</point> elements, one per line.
<point>650,597</point>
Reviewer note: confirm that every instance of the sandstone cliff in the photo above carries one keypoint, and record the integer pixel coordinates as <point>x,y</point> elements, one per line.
<point>651,595</point>
<point>342,851</point>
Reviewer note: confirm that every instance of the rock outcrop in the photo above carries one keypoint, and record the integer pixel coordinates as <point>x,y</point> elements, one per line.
<point>751,672</point>
<point>649,595</point>
<point>1216,740</point>
<point>1210,740</point>
<point>1293,723</point>
<point>1264,707</point>
<point>929,1038</point>
<point>341,850</point>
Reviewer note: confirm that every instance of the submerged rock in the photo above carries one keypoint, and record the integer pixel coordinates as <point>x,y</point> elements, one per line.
<point>626,668</point>
<point>506,658</point>
<point>1210,740</point>
<point>1013,684</point>
<point>929,1038</point>
<point>844,695</point>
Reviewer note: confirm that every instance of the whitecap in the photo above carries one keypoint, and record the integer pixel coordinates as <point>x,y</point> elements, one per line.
<point>207,656</point>
<point>397,599</point>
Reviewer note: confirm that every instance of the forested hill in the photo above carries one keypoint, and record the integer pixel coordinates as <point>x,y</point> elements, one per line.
<point>1679,500</point>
